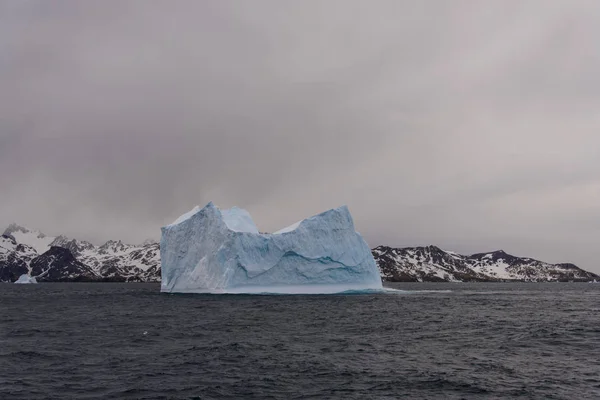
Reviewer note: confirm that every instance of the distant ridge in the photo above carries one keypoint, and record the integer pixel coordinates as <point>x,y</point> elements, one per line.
<point>432,264</point>
<point>61,259</point>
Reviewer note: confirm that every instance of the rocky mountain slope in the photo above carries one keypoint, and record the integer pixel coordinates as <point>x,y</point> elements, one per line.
<point>15,259</point>
<point>59,265</point>
<point>60,259</point>
<point>431,264</point>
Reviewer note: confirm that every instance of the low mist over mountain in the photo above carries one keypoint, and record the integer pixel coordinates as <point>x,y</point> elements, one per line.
<point>61,259</point>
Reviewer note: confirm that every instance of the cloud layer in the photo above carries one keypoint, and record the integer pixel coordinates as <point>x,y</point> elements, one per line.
<point>470,125</point>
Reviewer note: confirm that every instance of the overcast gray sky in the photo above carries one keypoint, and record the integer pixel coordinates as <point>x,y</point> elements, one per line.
<point>472,125</point>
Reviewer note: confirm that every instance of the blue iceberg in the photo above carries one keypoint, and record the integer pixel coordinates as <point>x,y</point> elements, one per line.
<point>26,279</point>
<point>210,250</point>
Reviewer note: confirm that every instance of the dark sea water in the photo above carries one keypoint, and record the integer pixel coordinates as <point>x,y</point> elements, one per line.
<point>433,341</point>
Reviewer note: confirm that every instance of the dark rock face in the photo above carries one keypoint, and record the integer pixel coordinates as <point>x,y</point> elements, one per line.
<point>431,264</point>
<point>59,265</point>
<point>11,270</point>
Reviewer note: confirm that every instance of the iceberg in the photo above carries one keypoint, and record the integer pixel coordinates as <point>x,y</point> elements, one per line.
<point>23,279</point>
<point>210,250</point>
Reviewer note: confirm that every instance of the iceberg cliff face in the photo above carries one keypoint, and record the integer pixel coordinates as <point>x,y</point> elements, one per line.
<point>213,251</point>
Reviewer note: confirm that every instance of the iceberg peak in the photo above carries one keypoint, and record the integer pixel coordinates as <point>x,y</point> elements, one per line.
<point>239,220</point>
<point>186,216</point>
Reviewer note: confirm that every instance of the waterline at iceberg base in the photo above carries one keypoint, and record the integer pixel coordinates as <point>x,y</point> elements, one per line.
<point>210,250</point>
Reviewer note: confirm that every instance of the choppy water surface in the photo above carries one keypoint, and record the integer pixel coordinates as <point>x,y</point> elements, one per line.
<point>447,341</point>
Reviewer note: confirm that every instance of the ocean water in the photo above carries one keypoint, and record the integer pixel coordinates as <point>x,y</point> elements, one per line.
<point>429,341</point>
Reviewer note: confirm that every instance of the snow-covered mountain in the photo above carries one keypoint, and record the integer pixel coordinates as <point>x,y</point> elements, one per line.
<point>113,261</point>
<point>59,258</point>
<point>119,261</point>
<point>15,259</point>
<point>59,265</point>
<point>419,264</point>
<point>37,240</point>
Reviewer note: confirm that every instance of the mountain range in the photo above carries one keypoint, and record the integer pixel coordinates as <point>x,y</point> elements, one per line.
<point>432,264</point>
<point>60,259</point>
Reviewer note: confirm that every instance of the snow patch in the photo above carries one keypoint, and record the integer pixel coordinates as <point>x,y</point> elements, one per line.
<point>37,240</point>
<point>290,228</point>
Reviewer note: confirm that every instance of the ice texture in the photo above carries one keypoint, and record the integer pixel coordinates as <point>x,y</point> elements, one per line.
<point>239,220</point>
<point>214,251</point>
<point>23,279</point>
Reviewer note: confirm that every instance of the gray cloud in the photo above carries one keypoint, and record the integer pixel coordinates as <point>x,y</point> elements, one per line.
<point>471,125</point>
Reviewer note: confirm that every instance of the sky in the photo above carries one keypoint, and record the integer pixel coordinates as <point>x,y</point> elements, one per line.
<point>471,125</point>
